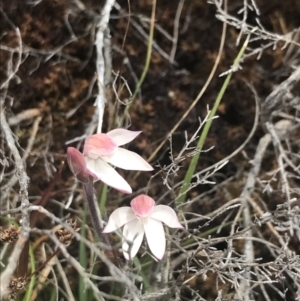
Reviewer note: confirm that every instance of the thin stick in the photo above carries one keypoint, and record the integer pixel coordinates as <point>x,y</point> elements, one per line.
<point>176,30</point>
<point>23,182</point>
<point>246,196</point>
<point>102,43</point>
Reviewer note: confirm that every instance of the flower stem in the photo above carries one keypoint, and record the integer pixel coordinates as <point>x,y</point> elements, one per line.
<point>95,213</point>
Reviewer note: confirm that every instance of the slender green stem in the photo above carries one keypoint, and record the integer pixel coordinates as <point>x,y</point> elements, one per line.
<point>82,260</point>
<point>148,60</point>
<point>53,295</point>
<point>33,278</point>
<point>88,189</point>
<point>143,273</point>
<point>103,198</point>
<point>201,141</point>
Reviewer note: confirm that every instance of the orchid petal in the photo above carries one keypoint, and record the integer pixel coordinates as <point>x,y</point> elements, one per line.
<point>122,136</point>
<point>107,174</point>
<point>133,234</point>
<point>127,160</point>
<point>155,235</point>
<point>166,215</point>
<point>119,218</point>
<point>99,145</point>
<point>142,205</point>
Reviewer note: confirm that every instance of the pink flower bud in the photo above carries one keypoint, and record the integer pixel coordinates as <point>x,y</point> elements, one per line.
<point>77,164</point>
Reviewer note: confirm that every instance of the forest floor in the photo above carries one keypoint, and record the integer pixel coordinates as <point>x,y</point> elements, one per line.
<point>49,105</point>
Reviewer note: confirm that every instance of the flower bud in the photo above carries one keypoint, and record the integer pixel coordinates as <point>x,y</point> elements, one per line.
<point>77,164</point>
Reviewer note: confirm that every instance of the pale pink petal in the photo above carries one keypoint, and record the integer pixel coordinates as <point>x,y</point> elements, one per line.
<point>142,205</point>
<point>122,136</point>
<point>133,234</point>
<point>77,164</point>
<point>155,235</point>
<point>99,145</point>
<point>128,160</point>
<point>107,174</point>
<point>166,215</point>
<point>119,218</point>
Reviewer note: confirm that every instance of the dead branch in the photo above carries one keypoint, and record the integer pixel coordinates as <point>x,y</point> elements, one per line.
<point>23,195</point>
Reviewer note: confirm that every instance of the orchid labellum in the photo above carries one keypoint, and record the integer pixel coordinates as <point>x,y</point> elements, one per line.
<point>143,217</point>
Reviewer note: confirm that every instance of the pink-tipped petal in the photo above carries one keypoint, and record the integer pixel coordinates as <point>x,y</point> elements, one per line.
<point>122,136</point>
<point>107,174</point>
<point>155,235</point>
<point>166,215</point>
<point>133,234</point>
<point>119,218</point>
<point>128,160</point>
<point>99,145</point>
<point>77,164</point>
<point>142,205</point>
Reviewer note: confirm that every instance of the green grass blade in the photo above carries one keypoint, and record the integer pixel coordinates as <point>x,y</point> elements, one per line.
<point>103,199</point>
<point>201,141</point>
<point>33,278</point>
<point>82,292</point>
<point>147,62</point>
<point>53,296</point>
<point>143,273</point>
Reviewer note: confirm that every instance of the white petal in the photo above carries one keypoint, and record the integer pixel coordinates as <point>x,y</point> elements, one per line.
<point>133,234</point>
<point>166,215</point>
<point>119,218</point>
<point>155,235</point>
<point>122,136</point>
<point>107,174</point>
<point>127,160</point>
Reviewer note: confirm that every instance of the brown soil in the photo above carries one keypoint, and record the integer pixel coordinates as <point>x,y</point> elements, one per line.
<point>58,66</point>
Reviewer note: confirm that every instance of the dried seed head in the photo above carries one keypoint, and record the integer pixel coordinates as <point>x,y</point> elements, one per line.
<point>10,235</point>
<point>65,236</point>
<point>16,285</point>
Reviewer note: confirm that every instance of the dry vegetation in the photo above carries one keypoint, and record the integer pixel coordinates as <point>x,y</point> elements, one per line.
<point>242,211</point>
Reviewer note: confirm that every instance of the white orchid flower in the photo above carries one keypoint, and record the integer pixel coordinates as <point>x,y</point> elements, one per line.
<point>143,217</point>
<point>101,150</point>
